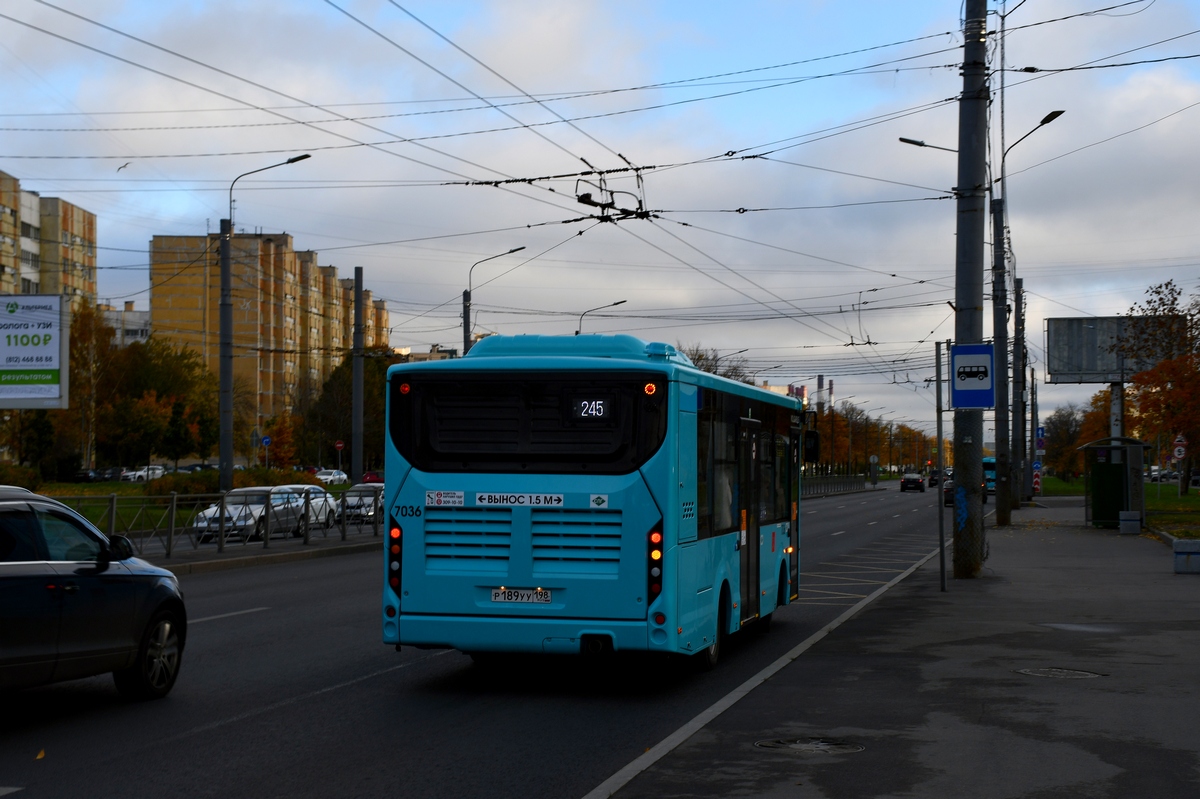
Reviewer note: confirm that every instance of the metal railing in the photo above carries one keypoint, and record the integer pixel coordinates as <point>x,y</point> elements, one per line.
<point>160,525</point>
<point>819,485</point>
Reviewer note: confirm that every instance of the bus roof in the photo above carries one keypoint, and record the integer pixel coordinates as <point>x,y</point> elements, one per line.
<point>589,346</point>
<point>576,352</point>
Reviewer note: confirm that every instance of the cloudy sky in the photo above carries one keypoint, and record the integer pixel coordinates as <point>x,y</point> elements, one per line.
<point>786,217</point>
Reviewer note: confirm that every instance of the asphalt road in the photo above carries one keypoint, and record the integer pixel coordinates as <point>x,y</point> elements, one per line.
<point>287,691</point>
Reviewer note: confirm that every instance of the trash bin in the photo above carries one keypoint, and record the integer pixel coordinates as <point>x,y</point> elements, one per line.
<point>1113,483</point>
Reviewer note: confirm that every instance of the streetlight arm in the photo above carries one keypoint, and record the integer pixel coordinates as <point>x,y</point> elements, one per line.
<point>597,308</point>
<point>471,271</point>
<point>291,160</point>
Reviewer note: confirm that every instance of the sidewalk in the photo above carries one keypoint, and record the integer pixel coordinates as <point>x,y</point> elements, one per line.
<point>1068,669</point>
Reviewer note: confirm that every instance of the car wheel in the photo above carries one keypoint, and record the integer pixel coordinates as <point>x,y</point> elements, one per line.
<point>259,528</point>
<point>159,656</point>
<point>301,527</point>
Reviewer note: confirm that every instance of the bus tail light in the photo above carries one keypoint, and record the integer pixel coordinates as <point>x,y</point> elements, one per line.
<point>655,564</point>
<point>395,554</point>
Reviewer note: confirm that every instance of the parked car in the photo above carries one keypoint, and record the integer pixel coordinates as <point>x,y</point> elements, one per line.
<point>111,473</point>
<point>75,603</point>
<point>361,503</point>
<point>912,481</point>
<point>86,476</point>
<point>934,477</point>
<point>322,507</point>
<point>373,477</point>
<point>332,477</point>
<point>143,474</point>
<point>246,514</point>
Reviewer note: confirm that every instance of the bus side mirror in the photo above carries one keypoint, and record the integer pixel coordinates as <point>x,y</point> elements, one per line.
<point>812,446</point>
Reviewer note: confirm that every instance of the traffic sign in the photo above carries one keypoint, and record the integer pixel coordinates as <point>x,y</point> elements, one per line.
<point>266,441</point>
<point>1037,483</point>
<point>1180,453</point>
<point>1037,466</point>
<point>973,378</point>
<point>1180,441</point>
<point>338,445</point>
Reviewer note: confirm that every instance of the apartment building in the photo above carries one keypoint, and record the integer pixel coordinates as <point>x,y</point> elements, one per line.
<point>129,326</point>
<point>47,245</point>
<point>292,318</point>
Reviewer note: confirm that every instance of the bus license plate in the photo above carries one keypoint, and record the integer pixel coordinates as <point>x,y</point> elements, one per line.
<point>527,595</point>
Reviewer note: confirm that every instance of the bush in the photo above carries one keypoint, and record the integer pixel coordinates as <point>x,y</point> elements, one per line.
<point>23,476</point>
<point>208,481</point>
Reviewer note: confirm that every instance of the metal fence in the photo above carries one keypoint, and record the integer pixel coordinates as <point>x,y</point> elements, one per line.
<point>161,525</point>
<point>820,485</point>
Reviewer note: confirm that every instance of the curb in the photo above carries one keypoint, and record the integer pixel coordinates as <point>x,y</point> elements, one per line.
<point>205,566</point>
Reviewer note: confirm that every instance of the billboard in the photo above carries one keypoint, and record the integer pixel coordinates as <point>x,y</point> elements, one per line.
<point>35,330</point>
<point>1080,349</point>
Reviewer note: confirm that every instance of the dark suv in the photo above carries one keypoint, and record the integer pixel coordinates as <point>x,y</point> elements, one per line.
<point>75,603</point>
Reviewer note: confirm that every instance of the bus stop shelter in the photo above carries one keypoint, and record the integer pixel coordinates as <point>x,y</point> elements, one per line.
<point>1114,487</point>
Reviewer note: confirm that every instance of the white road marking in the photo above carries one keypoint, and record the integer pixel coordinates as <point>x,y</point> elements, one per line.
<point>6,791</point>
<point>301,698</point>
<point>617,781</point>
<point>896,516</point>
<point>839,532</point>
<point>870,523</point>
<point>227,615</point>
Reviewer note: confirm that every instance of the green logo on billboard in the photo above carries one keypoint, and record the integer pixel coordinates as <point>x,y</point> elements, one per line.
<point>12,307</point>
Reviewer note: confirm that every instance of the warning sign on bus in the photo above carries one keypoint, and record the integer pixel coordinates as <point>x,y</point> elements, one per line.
<point>520,500</point>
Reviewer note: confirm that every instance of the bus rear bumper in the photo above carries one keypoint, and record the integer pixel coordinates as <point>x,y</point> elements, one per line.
<point>549,636</point>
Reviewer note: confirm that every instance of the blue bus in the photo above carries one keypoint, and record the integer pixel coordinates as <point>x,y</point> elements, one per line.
<point>989,477</point>
<point>585,494</point>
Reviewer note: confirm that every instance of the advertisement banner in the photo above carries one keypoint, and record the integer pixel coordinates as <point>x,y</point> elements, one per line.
<point>33,343</point>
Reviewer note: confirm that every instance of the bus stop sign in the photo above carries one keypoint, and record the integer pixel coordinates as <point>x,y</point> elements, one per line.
<point>972,376</point>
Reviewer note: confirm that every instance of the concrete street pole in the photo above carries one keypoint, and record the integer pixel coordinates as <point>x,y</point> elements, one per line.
<point>225,356</point>
<point>1022,474</point>
<point>1000,340</point>
<point>969,547</point>
<point>356,376</point>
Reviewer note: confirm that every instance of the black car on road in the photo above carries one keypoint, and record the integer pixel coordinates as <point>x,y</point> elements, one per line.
<point>75,603</point>
<point>912,481</point>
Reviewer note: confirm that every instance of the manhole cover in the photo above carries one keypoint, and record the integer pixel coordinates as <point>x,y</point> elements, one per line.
<point>1062,674</point>
<point>813,746</point>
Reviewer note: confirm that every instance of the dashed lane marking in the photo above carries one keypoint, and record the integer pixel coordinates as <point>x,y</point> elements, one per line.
<point>223,616</point>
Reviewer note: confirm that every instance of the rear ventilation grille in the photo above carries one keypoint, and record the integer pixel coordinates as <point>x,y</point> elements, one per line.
<point>474,540</point>
<point>576,542</point>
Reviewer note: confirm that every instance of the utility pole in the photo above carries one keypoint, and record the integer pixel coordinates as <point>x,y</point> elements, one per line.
<point>1000,342</point>
<point>968,289</point>
<point>1022,473</point>
<point>356,376</point>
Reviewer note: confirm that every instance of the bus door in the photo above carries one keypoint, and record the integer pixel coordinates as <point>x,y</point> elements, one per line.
<point>794,492</point>
<point>748,499</point>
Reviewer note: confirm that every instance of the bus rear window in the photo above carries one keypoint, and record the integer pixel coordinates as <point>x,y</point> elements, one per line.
<point>602,423</point>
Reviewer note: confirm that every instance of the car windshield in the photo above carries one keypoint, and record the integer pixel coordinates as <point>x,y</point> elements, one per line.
<point>360,493</point>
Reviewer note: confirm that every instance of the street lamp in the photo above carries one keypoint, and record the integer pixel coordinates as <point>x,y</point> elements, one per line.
<point>225,366</point>
<point>1023,474</point>
<point>720,358</point>
<point>597,308</point>
<point>754,375</point>
<point>467,297</point>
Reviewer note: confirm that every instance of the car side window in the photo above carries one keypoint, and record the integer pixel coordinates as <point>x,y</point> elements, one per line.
<point>65,538</point>
<point>18,536</point>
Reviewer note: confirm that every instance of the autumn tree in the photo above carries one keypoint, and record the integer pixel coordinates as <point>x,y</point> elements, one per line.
<point>1062,440</point>
<point>1167,335</point>
<point>709,360</point>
